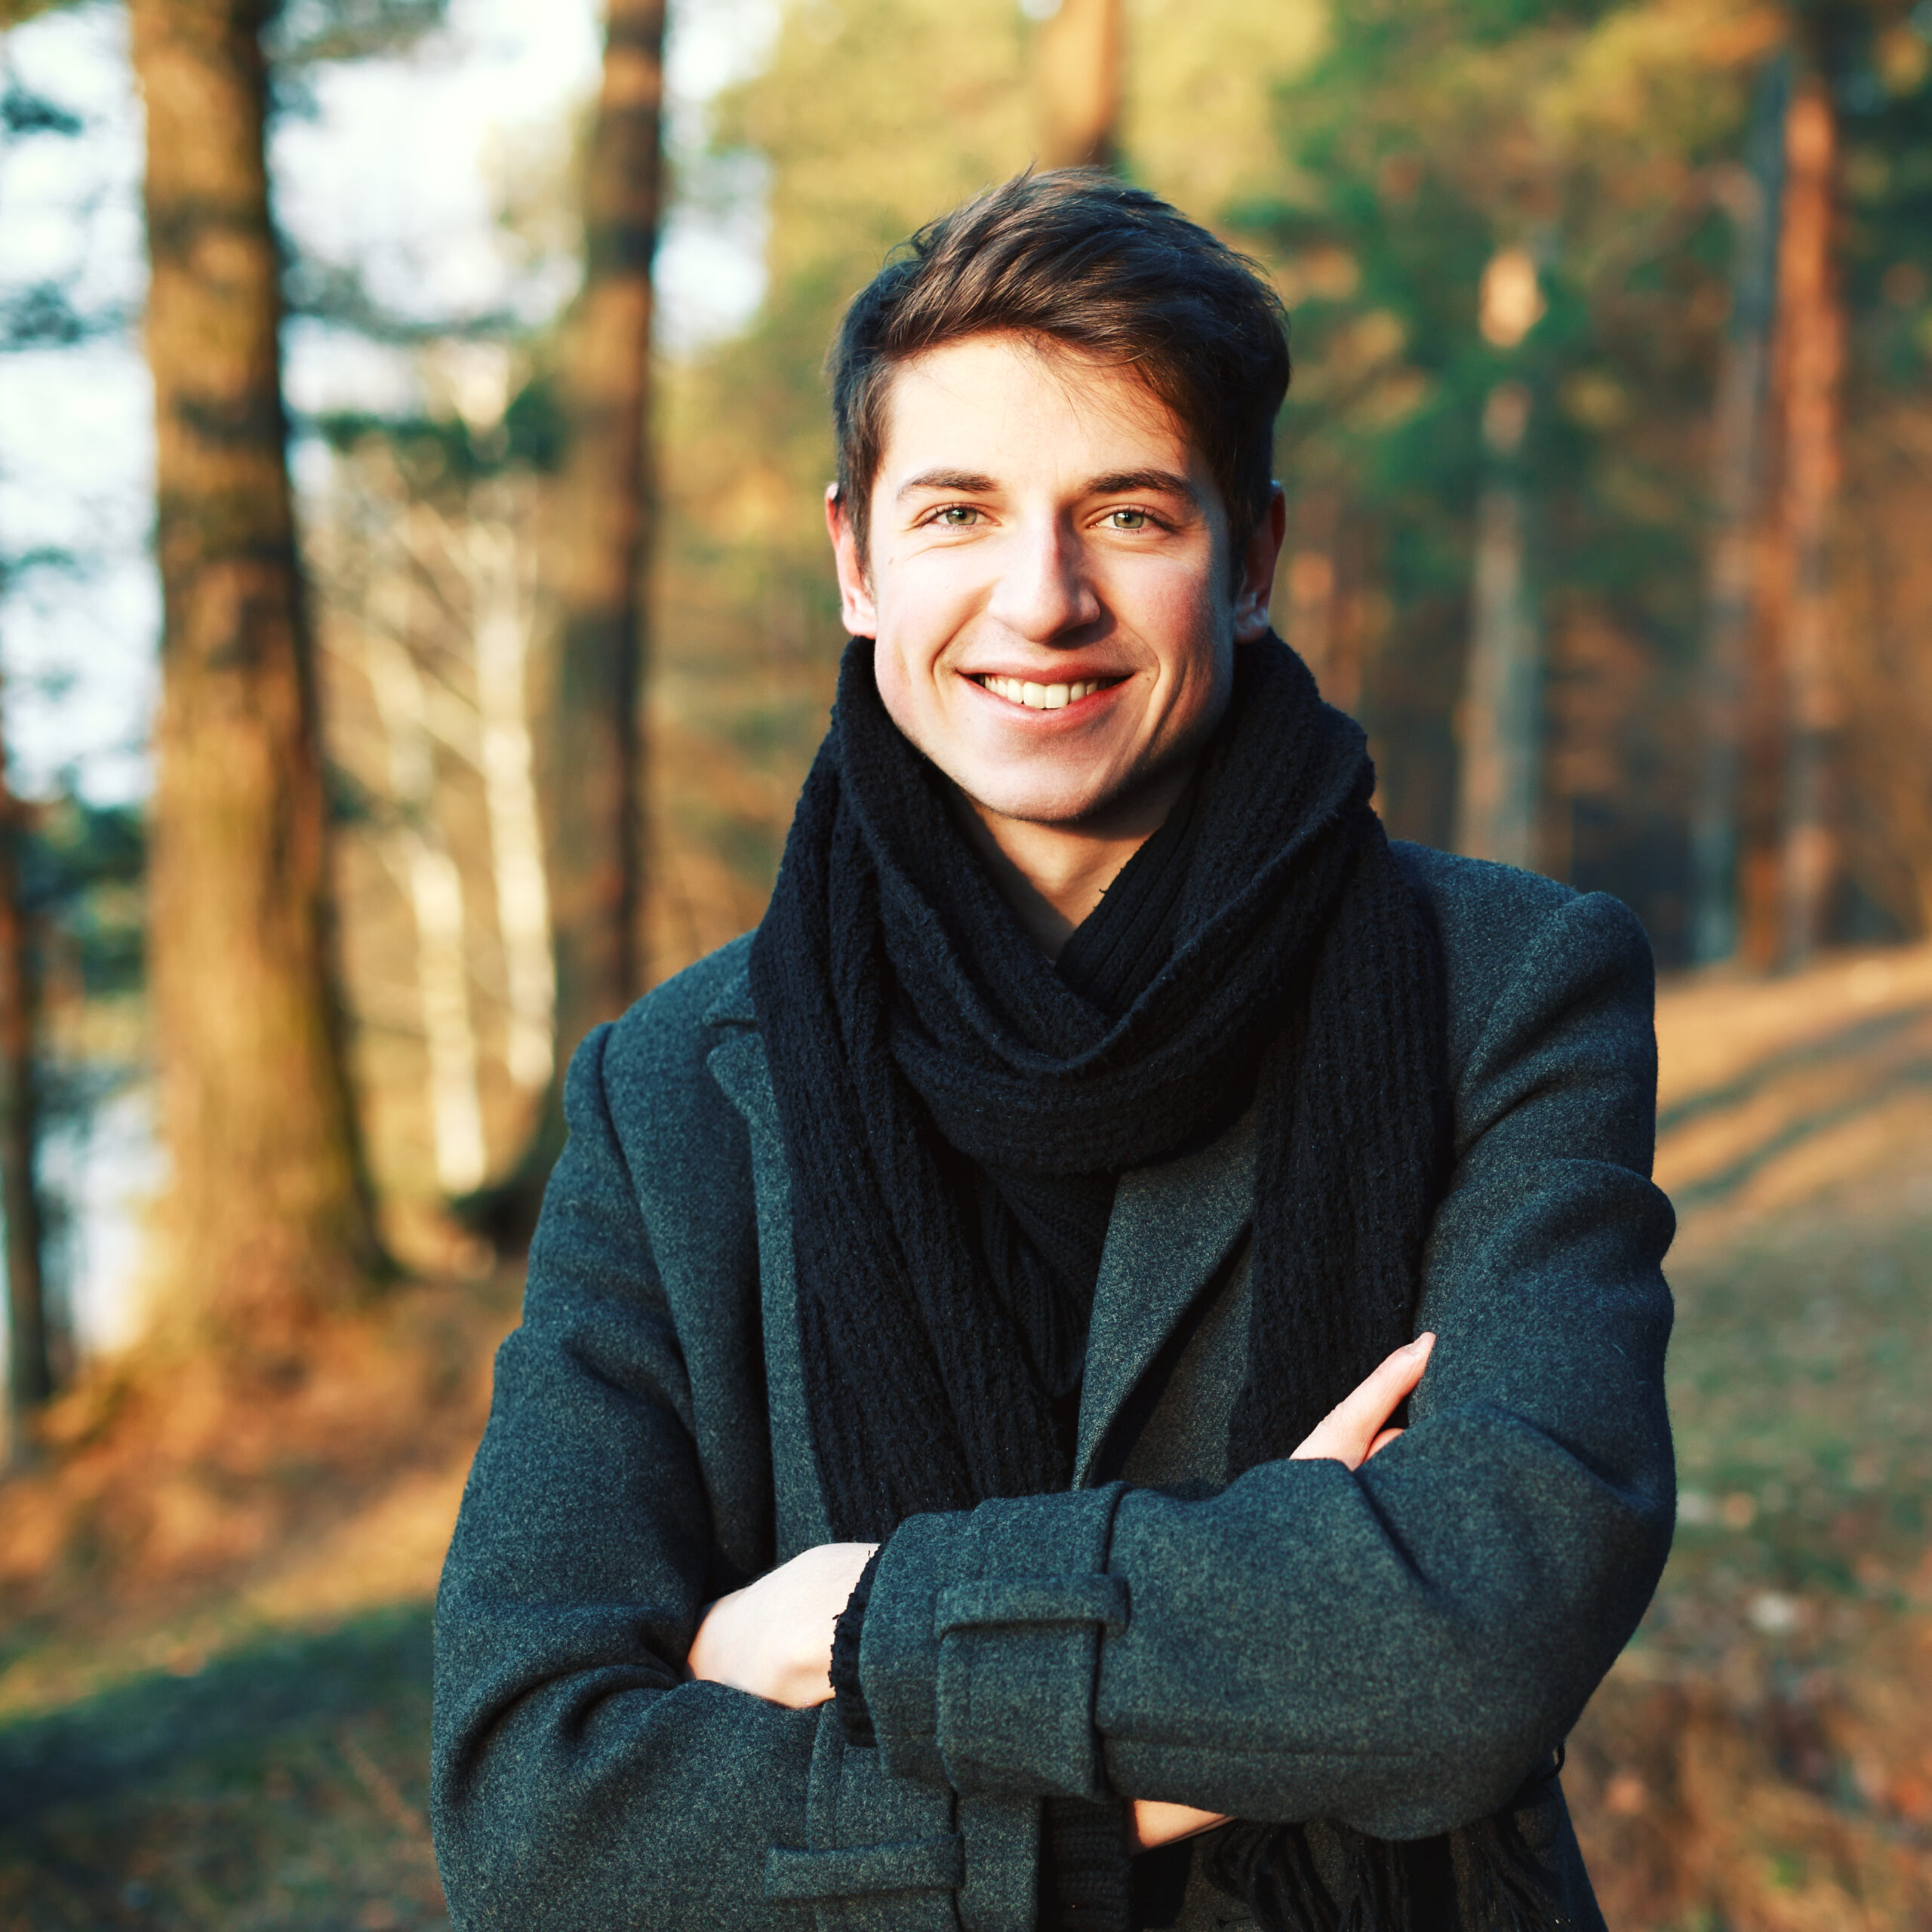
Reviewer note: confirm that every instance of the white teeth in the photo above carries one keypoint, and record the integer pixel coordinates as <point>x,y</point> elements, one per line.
<point>1040,697</point>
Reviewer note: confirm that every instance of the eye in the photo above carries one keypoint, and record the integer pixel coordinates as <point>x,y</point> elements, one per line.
<point>1127,519</point>
<point>956,516</point>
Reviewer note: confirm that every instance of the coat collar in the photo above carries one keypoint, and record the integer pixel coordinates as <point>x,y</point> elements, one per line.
<point>733,1007</point>
<point>1174,1225</point>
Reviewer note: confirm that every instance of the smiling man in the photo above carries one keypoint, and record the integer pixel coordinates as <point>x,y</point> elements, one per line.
<point>1103,1369</point>
<point>1056,600</point>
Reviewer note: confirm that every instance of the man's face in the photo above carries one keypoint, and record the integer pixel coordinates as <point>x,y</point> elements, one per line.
<point>1049,582</point>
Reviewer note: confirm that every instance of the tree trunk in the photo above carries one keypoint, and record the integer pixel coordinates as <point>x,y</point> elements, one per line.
<point>596,779</point>
<point>1812,326</point>
<point>1311,583</point>
<point>270,1220</point>
<point>1078,59</point>
<point>1500,719</point>
<point>500,630</point>
<point>29,1363</point>
<point>1737,494</point>
<point>418,860</point>
<point>594,754</point>
<point>1318,593</point>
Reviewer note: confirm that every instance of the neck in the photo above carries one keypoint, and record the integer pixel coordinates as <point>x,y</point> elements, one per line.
<point>1053,874</point>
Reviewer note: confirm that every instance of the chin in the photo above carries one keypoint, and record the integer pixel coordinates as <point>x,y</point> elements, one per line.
<point>1048,799</point>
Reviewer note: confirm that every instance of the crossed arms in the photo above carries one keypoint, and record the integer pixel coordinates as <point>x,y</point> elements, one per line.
<point>773,1639</point>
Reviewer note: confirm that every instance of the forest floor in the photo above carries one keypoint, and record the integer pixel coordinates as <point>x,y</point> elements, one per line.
<point>1761,1757</point>
<point>214,1675</point>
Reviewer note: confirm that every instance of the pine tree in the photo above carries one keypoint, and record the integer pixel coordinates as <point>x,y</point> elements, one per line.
<point>269,1218</point>
<point>596,860</point>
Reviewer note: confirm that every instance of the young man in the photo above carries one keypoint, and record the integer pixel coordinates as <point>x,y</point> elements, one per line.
<point>949,1474</point>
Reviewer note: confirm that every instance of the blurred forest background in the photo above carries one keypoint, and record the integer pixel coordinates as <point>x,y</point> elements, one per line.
<point>476,611</point>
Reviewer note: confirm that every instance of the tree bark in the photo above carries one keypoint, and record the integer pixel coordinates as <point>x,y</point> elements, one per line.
<point>595,752</point>
<point>1499,722</point>
<point>596,859</point>
<point>270,1217</point>
<point>485,557</point>
<point>1737,494</point>
<point>500,630</point>
<point>1812,328</point>
<point>418,860</point>
<point>30,1361</point>
<point>1078,57</point>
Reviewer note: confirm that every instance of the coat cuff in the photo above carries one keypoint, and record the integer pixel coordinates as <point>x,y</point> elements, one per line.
<point>981,1645</point>
<point>848,1695</point>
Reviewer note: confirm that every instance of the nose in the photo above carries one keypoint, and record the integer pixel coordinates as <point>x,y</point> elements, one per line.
<point>1043,592</point>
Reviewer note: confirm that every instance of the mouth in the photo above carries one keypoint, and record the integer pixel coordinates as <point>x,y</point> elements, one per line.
<point>1044,697</point>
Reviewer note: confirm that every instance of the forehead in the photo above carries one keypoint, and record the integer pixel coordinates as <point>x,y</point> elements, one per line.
<point>1011,405</point>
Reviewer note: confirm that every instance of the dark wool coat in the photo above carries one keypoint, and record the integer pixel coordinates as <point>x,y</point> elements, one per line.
<point>1398,1647</point>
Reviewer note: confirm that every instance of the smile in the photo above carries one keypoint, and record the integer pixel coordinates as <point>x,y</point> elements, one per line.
<point>1044,698</point>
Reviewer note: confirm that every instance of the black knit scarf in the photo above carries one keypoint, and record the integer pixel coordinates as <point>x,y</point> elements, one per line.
<point>955,1111</point>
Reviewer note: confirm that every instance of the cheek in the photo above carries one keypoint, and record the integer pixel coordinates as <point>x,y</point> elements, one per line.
<point>903,672</point>
<point>920,593</point>
<point>889,673</point>
<point>1185,618</point>
<point>921,606</point>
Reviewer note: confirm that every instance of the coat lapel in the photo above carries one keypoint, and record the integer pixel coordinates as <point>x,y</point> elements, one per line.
<point>738,1065</point>
<point>1174,1225</point>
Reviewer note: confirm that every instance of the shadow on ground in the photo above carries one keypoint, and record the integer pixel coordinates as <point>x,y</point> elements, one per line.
<point>283,1784</point>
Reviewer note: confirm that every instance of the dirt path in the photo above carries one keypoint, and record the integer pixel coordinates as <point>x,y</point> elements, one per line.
<point>1795,1093</point>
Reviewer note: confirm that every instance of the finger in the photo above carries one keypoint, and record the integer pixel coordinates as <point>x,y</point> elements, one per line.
<point>1345,1433</point>
<point>1381,1442</point>
<point>1154,1823</point>
<point>1367,1406</point>
<point>1386,1386</point>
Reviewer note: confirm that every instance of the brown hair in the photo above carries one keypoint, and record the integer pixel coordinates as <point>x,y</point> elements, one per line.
<point>1078,258</point>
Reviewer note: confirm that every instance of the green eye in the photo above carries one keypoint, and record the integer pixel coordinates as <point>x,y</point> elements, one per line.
<point>958,516</point>
<point>1128,519</point>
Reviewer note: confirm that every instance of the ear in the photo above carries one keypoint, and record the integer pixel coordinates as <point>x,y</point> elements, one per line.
<point>1254,579</point>
<point>860,616</point>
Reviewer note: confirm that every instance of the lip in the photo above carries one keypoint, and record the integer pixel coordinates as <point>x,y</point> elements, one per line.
<point>1079,707</point>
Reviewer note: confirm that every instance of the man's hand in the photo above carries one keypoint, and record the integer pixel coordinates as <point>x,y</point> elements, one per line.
<point>1355,1429</point>
<point>1154,1823</point>
<point>774,1638</point>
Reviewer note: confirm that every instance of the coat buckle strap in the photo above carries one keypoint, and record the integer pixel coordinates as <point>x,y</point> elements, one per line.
<point>1009,1600</point>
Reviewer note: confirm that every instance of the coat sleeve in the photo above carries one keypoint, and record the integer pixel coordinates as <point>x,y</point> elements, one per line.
<point>578,1782</point>
<point>1395,1646</point>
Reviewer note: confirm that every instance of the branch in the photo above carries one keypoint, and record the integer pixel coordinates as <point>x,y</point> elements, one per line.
<point>22,111</point>
<point>332,292</point>
<point>41,317</point>
<point>305,32</point>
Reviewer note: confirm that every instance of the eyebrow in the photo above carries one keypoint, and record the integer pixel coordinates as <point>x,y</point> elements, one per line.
<point>971,482</point>
<point>1152,482</point>
<point>1114,483</point>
